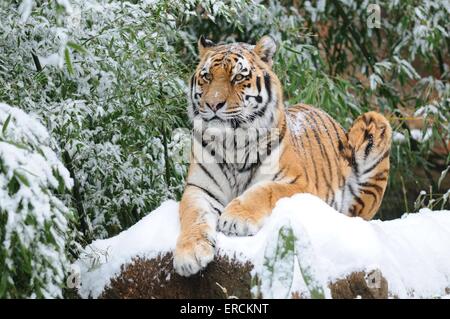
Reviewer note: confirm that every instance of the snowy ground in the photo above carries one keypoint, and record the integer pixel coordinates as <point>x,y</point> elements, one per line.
<point>413,253</point>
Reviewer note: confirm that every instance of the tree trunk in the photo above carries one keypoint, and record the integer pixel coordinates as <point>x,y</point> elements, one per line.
<point>223,278</point>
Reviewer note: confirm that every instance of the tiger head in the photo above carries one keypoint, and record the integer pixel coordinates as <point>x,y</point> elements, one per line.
<point>234,86</point>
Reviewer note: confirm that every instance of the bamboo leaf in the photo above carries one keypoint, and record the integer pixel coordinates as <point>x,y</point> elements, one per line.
<point>68,61</point>
<point>77,47</point>
<point>5,125</point>
<point>22,178</point>
<point>443,174</point>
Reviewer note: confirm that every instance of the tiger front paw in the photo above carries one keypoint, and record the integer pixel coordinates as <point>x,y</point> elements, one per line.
<point>238,220</point>
<point>193,254</point>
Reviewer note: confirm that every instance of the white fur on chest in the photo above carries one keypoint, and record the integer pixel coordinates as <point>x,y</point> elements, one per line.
<point>231,162</point>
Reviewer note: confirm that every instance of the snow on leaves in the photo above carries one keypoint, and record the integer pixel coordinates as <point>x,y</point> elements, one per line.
<point>33,220</point>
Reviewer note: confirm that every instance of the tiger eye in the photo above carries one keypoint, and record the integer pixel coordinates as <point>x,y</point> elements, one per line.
<point>238,77</point>
<point>207,77</point>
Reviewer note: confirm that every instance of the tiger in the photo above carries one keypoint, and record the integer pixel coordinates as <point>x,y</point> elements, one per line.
<point>304,150</point>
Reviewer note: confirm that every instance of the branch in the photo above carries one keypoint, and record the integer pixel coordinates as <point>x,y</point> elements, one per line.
<point>36,62</point>
<point>84,227</point>
<point>369,58</point>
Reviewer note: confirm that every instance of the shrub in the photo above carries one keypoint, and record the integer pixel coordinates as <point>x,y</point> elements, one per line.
<point>108,79</point>
<point>34,223</point>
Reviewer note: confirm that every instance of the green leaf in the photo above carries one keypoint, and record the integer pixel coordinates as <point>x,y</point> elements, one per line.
<point>443,174</point>
<point>68,61</point>
<point>4,284</point>
<point>76,47</point>
<point>22,178</point>
<point>5,125</point>
<point>13,186</point>
<point>61,183</point>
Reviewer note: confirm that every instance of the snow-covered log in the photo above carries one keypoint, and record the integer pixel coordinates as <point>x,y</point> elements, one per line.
<point>305,250</point>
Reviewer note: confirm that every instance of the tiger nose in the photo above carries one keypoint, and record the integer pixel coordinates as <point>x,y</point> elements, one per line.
<point>215,107</point>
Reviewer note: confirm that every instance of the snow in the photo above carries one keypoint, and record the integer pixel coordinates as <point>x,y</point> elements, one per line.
<point>412,252</point>
<point>296,124</point>
<point>25,9</point>
<point>155,233</point>
<point>421,136</point>
<point>398,137</point>
<point>23,127</point>
<point>53,59</point>
<point>36,220</point>
<point>66,4</point>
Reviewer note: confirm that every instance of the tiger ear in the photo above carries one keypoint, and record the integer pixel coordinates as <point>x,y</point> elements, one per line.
<point>204,45</point>
<point>265,49</point>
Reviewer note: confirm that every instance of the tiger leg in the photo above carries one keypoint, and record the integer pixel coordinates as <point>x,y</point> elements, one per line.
<point>245,214</point>
<point>370,142</point>
<point>196,242</point>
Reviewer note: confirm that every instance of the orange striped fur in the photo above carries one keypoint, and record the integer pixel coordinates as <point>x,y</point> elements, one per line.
<point>234,88</point>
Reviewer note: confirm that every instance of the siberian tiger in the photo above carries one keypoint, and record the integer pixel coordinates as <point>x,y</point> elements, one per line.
<point>305,151</point>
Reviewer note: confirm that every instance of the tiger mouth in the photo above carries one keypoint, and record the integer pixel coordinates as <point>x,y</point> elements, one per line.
<point>214,118</point>
<point>232,122</point>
